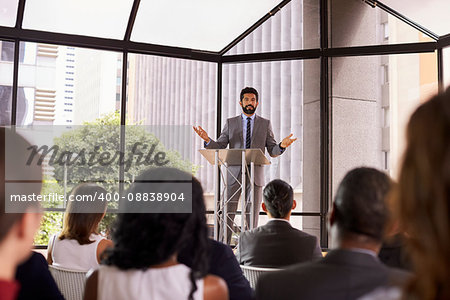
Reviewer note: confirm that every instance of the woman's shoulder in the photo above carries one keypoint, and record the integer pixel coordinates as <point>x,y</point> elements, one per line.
<point>214,287</point>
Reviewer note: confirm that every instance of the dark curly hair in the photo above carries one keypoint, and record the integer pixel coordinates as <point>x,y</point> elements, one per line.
<point>142,240</point>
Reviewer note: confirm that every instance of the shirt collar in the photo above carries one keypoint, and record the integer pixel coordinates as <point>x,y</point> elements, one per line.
<point>279,219</point>
<point>244,117</point>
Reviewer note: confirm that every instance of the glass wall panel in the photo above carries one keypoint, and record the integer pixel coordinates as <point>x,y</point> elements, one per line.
<point>372,100</point>
<point>6,81</point>
<point>100,18</point>
<point>294,27</point>
<point>70,97</point>
<point>69,85</point>
<point>201,24</point>
<point>8,13</point>
<point>355,23</point>
<point>446,60</point>
<point>289,97</point>
<point>176,94</point>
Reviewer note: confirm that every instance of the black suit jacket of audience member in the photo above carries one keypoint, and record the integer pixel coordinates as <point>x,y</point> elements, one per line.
<point>393,253</point>
<point>276,244</point>
<point>36,281</point>
<point>223,263</point>
<point>340,275</point>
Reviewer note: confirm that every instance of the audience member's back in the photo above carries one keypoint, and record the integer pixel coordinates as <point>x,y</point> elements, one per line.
<point>143,263</point>
<point>79,246</point>
<point>352,268</point>
<point>277,244</point>
<point>18,228</point>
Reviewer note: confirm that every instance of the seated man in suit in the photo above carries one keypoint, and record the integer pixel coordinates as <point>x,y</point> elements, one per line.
<point>277,244</point>
<point>352,269</point>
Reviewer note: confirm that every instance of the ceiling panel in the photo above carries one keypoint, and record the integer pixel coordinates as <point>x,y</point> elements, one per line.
<point>98,18</point>
<point>197,24</point>
<point>431,14</point>
<point>8,12</point>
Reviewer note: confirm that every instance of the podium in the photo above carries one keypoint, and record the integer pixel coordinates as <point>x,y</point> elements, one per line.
<point>228,158</point>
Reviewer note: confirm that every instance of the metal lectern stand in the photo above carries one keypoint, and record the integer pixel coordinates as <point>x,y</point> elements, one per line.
<point>227,158</point>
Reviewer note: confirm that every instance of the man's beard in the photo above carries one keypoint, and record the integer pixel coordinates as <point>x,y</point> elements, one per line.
<point>249,109</point>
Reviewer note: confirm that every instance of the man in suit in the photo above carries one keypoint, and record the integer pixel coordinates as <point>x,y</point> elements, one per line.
<point>352,269</point>
<point>277,244</point>
<point>245,131</point>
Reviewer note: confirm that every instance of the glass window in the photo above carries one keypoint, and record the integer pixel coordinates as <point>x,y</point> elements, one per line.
<point>294,27</point>
<point>175,93</point>
<point>355,23</point>
<point>74,111</point>
<point>99,18</point>
<point>290,100</point>
<point>202,24</point>
<point>92,83</point>
<point>446,60</point>
<point>370,110</point>
<point>6,81</point>
<point>8,13</point>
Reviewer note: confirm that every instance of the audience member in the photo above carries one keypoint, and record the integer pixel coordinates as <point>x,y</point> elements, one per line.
<point>277,244</point>
<point>223,263</point>
<point>36,281</point>
<point>422,202</point>
<point>143,263</point>
<point>18,221</point>
<point>79,246</point>
<point>352,268</point>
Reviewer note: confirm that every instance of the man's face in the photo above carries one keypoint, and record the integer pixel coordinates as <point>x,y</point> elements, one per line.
<point>249,103</point>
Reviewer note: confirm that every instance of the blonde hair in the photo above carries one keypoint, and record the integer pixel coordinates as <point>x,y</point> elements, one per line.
<point>78,223</point>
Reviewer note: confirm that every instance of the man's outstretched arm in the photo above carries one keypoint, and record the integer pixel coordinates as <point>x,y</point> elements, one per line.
<point>222,141</point>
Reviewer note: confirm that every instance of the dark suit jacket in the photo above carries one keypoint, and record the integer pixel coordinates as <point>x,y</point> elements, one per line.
<point>36,281</point>
<point>340,275</point>
<point>262,137</point>
<point>276,244</point>
<point>393,253</point>
<point>223,263</point>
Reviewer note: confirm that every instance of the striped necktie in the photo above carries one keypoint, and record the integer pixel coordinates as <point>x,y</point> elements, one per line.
<point>248,137</point>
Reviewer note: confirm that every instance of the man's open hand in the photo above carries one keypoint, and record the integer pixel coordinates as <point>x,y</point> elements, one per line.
<point>201,133</point>
<point>287,141</point>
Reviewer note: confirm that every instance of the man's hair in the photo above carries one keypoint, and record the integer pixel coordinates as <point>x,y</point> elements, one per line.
<point>249,90</point>
<point>360,205</point>
<point>278,198</point>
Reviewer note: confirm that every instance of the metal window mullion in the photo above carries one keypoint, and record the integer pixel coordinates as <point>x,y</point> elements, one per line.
<point>123,117</point>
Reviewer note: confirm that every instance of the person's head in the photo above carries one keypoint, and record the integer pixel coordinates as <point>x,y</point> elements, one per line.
<point>360,213</point>
<point>142,240</point>
<point>17,229</point>
<point>85,209</point>
<point>249,100</point>
<point>278,199</point>
<point>422,197</point>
